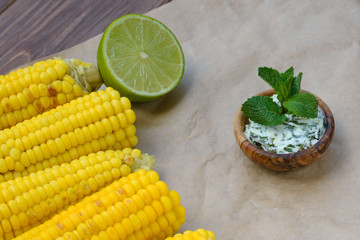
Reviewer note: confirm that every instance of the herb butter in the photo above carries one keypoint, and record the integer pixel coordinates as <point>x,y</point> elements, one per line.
<point>296,134</point>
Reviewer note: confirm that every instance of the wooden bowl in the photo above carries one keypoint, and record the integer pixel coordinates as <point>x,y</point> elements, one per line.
<point>284,162</point>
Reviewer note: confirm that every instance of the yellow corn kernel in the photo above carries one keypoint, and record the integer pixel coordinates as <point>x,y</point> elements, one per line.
<point>45,102</point>
<point>10,118</point>
<point>45,77</point>
<point>70,96</point>
<point>77,90</point>
<point>35,77</point>
<point>130,130</point>
<point>57,85</point>
<point>22,99</point>
<point>10,88</point>
<point>14,101</point>
<point>6,225</point>
<point>38,106</point>
<point>125,102</point>
<point>61,97</point>
<point>39,66</point>
<point>31,110</point>
<point>27,78</point>
<point>43,90</point>
<point>28,95</point>
<point>34,90</point>
<point>66,86</point>
<point>52,72</point>
<point>69,79</point>
<point>130,115</point>
<point>60,70</point>
<point>16,85</point>
<point>3,91</point>
<point>6,105</point>
<point>15,222</point>
<point>122,119</point>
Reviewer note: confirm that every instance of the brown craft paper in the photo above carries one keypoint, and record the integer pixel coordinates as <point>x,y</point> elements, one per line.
<point>190,131</point>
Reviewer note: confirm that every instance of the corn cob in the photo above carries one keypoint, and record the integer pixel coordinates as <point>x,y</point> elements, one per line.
<point>27,92</point>
<point>28,201</point>
<point>138,206</point>
<point>199,234</point>
<point>98,121</point>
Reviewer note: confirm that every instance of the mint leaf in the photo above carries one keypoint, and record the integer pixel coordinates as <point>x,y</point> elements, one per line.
<point>269,75</point>
<point>287,74</point>
<point>263,110</point>
<point>279,82</point>
<point>295,85</point>
<point>285,85</point>
<point>302,104</point>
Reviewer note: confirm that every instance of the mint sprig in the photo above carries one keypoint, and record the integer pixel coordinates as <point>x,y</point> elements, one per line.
<point>265,111</point>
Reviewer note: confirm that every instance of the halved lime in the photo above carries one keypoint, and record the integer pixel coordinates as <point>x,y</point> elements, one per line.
<point>140,57</point>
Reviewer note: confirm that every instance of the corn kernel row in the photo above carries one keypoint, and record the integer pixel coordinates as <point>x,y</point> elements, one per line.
<point>138,206</point>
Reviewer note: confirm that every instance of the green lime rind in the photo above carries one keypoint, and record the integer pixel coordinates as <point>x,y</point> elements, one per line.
<point>124,71</point>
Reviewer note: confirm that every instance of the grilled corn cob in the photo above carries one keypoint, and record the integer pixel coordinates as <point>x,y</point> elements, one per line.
<point>199,234</point>
<point>28,201</point>
<point>98,121</point>
<point>27,92</point>
<point>138,206</point>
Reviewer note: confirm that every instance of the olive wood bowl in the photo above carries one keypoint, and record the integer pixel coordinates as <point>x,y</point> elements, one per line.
<point>284,162</point>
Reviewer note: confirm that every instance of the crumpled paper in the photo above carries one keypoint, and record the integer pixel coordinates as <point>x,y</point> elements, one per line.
<point>190,130</point>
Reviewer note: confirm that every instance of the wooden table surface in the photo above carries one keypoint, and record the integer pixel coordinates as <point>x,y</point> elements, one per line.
<point>31,29</point>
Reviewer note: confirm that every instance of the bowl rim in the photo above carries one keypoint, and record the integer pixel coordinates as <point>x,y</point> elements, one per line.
<point>315,150</point>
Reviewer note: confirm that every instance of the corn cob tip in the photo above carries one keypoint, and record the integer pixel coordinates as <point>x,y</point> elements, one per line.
<point>145,161</point>
<point>137,160</point>
<point>86,74</point>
